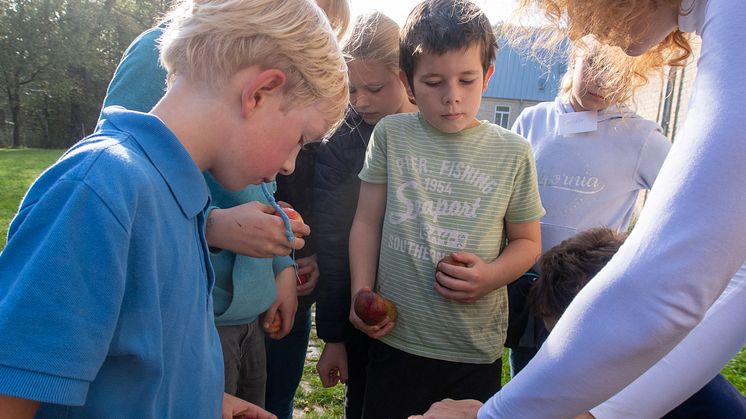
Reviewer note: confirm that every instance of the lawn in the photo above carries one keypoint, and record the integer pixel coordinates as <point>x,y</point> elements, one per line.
<point>19,168</point>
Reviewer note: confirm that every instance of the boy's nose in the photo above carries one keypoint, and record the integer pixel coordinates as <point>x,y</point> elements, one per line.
<point>288,167</point>
<point>451,97</point>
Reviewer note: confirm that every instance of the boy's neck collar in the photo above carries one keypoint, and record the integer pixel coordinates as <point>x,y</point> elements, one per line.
<point>479,124</point>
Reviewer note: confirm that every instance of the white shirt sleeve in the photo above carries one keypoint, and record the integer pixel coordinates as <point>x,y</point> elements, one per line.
<point>684,370</point>
<point>688,243</point>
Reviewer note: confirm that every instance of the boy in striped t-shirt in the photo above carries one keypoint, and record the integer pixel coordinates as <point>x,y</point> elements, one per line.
<point>439,183</point>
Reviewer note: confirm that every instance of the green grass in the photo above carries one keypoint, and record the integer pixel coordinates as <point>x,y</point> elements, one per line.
<point>19,168</point>
<point>312,400</point>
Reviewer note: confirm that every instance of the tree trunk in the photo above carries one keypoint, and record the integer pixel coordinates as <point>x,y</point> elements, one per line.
<point>15,113</point>
<point>43,115</point>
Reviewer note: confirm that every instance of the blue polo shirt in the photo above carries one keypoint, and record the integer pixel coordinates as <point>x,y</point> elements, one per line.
<point>105,282</point>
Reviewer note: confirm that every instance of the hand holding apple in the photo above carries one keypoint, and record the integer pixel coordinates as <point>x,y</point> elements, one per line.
<point>464,277</point>
<point>250,229</point>
<point>451,261</point>
<point>372,308</point>
<point>293,215</point>
<point>308,275</point>
<point>273,325</point>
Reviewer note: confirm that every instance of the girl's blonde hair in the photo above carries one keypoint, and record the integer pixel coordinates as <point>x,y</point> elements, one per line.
<point>209,41</point>
<point>374,37</point>
<point>619,74</point>
<point>610,21</point>
<point>338,13</point>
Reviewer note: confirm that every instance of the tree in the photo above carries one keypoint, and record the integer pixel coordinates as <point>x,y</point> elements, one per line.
<point>56,59</point>
<point>25,49</point>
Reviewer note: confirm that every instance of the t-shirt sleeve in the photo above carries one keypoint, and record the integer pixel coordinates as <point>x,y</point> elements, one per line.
<point>279,263</point>
<point>376,163</point>
<point>525,203</point>
<point>61,290</point>
<point>653,154</point>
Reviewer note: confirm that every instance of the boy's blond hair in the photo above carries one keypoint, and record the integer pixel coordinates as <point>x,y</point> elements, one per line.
<point>209,41</point>
<point>375,38</point>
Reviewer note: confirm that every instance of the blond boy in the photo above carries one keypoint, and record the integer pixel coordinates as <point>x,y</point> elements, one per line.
<point>105,286</point>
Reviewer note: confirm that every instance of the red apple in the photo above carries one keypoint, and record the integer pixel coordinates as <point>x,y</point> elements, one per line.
<point>293,215</point>
<point>372,308</point>
<point>303,278</point>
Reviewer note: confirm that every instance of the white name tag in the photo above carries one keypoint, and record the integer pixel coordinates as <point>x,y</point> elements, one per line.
<point>576,122</point>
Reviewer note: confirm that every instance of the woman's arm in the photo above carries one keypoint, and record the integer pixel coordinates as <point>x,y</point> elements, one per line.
<point>722,333</point>
<point>689,242</point>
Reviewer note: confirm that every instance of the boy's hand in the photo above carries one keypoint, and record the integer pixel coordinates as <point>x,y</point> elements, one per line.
<point>250,229</point>
<point>299,227</point>
<point>375,331</point>
<point>449,409</point>
<point>233,407</point>
<point>286,303</point>
<point>466,279</point>
<point>308,275</point>
<point>332,365</point>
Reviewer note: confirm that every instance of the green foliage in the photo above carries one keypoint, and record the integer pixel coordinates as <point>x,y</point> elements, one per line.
<point>56,60</point>
<point>735,371</point>
<point>18,169</point>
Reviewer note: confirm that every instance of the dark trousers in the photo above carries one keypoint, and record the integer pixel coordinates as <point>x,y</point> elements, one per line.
<point>244,361</point>
<point>357,346</point>
<point>718,399</point>
<point>401,384</point>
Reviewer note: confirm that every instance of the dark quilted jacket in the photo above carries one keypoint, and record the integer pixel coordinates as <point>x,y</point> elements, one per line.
<point>335,190</point>
<point>297,190</point>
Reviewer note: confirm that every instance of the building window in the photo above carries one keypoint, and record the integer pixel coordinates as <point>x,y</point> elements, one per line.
<point>502,116</point>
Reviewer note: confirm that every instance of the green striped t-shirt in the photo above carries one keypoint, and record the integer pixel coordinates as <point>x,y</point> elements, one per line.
<point>447,192</point>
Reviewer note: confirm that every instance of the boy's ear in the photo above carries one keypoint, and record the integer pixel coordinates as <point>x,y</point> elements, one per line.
<point>487,76</point>
<point>405,81</point>
<point>258,89</point>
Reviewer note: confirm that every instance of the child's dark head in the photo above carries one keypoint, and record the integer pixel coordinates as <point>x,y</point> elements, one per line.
<point>440,26</point>
<point>567,267</point>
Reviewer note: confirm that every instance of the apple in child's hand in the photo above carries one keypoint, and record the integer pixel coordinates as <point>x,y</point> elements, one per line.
<point>303,278</point>
<point>451,261</point>
<point>293,215</point>
<point>373,308</point>
<point>275,325</point>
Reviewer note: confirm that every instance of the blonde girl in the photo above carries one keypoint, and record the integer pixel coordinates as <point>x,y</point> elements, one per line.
<point>591,175</point>
<point>376,90</point>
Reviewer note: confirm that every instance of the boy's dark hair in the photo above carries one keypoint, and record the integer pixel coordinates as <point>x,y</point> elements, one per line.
<point>439,26</point>
<point>567,267</point>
